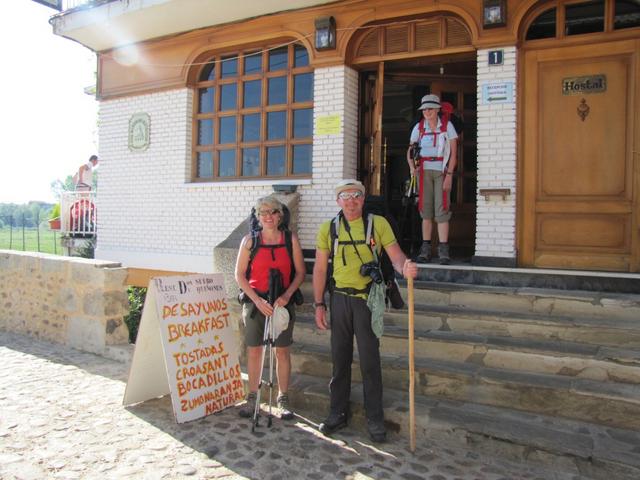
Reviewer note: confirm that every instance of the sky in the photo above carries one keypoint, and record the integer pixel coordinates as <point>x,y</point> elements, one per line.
<point>48,125</point>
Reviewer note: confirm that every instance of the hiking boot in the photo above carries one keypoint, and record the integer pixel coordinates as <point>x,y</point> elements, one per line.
<point>393,294</point>
<point>283,405</point>
<point>377,431</point>
<point>443,253</point>
<point>333,423</point>
<point>424,256</point>
<point>249,408</point>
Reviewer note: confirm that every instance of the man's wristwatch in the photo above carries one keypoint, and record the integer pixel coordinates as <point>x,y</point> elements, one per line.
<point>319,304</point>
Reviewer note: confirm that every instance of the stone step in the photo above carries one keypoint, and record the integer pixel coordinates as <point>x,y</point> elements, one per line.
<point>462,272</point>
<point>558,279</point>
<point>597,331</point>
<point>589,450</point>
<point>609,309</point>
<point>538,356</point>
<point>606,403</point>
<point>624,304</point>
<point>571,303</point>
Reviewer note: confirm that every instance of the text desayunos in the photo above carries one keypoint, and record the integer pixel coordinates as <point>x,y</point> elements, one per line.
<point>195,309</point>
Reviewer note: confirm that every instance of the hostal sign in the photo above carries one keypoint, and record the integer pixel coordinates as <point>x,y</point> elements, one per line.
<point>582,85</point>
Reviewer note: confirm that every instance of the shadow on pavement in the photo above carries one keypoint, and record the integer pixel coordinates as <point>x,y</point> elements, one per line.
<point>288,449</point>
<point>224,441</point>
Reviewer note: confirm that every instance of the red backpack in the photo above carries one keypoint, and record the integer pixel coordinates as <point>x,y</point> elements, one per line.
<point>446,109</point>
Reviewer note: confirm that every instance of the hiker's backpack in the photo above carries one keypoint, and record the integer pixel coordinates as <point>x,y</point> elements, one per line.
<point>446,110</point>
<point>386,267</point>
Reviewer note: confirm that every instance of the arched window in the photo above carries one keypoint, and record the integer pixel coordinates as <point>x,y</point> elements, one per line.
<point>544,26</point>
<point>579,18</point>
<point>627,14</point>
<point>253,115</point>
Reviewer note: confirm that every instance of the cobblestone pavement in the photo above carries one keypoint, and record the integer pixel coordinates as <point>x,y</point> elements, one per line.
<point>61,416</point>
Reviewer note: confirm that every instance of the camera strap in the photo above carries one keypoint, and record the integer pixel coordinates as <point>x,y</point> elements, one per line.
<point>335,233</point>
<point>347,227</point>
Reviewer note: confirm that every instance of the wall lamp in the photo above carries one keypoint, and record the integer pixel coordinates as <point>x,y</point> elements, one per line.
<point>325,33</point>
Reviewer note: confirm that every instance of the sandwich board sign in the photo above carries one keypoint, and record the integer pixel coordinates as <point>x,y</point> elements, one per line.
<point>187,347</point>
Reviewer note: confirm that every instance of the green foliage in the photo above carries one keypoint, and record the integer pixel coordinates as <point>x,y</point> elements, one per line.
<point>29,214</point>
<point>137,296</point>
<point>55,211</point>
<point>59,186</point>
<point>88,251</point>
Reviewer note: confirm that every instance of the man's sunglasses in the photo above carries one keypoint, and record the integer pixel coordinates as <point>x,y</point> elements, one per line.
<point>350,195</point>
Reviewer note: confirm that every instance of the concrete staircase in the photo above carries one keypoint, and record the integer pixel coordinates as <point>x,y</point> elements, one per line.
<point>547,374</point>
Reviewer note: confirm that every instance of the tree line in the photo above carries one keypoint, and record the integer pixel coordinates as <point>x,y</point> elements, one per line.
<point>29,215</point>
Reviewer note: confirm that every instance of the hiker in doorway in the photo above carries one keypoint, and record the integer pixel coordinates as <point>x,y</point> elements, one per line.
<point>432,156</point>
<point>270,245</point>
<point>356,301</point>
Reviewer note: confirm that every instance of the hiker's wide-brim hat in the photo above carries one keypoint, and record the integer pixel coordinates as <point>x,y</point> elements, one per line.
<point>429,101</point>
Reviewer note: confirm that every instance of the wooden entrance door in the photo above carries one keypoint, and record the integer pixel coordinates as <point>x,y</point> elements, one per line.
<point>580,178</point>
<point>372,160</point>
<point>391,95</point>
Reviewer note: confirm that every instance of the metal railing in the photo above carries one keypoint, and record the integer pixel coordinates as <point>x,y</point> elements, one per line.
<point>78,213</point>
<point>69,4</point>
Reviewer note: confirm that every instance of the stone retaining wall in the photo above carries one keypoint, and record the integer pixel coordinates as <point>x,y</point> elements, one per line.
<point>73,301</point>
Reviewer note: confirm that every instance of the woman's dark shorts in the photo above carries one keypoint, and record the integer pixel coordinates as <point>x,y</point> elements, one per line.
<point>254,327</point>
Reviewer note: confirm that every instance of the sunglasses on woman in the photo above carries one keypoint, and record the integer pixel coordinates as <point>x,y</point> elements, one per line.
<point>264,213</point>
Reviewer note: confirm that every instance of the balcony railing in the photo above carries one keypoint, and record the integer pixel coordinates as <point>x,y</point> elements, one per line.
<point>69,4</point>
<point>78,213</point>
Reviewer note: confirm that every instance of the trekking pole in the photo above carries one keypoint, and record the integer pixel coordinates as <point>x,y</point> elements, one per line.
<point>412,383</point>
<point>271,359</point>
<point>256,410</point>
<point>275,282</point>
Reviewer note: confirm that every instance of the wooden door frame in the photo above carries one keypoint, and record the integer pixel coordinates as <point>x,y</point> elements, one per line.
<point>370,158</point>
<point>529,119</point>
<point>375,174</point>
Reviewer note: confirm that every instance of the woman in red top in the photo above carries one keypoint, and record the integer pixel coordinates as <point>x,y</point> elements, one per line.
<point>271,253</point>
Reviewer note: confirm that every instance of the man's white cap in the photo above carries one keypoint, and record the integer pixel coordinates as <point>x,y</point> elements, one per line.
<point>349,184</point>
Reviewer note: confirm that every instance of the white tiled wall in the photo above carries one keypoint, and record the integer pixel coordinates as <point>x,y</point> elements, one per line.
<point>496,218</point>
<point>151,216</point>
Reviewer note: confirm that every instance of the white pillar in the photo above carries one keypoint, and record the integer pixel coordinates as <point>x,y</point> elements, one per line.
<point>496,216</point>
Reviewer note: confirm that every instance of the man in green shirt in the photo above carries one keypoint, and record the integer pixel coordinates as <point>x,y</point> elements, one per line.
<point>350,314</point>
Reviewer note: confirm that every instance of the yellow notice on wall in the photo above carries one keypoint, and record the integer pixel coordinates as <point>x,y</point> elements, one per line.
<point>328,125</point>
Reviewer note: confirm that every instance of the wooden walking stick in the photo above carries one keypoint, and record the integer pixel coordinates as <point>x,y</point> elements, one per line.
<point>412,382</point>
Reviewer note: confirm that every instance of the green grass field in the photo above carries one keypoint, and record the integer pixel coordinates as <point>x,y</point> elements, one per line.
<point>13,240</point>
